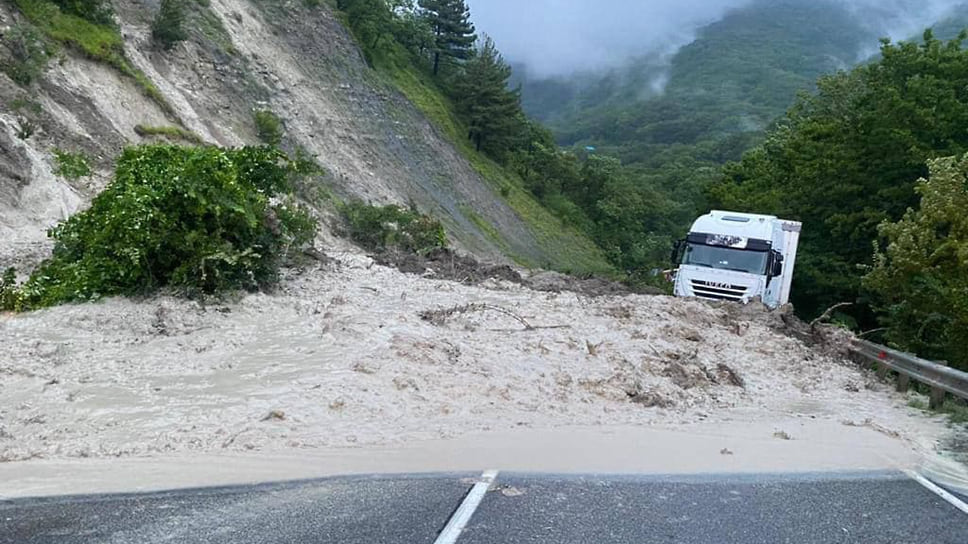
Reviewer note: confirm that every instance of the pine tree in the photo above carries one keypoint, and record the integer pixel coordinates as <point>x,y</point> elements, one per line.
<point>453,31</point>
<point>491,110</point>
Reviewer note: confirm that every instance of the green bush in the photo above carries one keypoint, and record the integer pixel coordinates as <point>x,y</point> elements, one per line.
<point>96,11</point>
<point>268,127</point>
<point>200,220</point>
<point>28,54</point>
<point>9,294</point>
<point>392,227</point>
<point>71,165</point>
<point>168,28</point>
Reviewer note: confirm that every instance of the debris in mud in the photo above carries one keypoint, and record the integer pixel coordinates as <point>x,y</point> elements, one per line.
<point>650,399</point>
<point>725,451</point>
<point>510,491</point>
<point>275,415</point>
<point>440,317</point>
<point>871,425</point>
<point>782,435</point>
<point>447,264</point>
<point>727,376</point>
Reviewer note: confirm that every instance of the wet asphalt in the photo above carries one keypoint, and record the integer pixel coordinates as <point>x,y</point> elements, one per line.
<point>827,508</point>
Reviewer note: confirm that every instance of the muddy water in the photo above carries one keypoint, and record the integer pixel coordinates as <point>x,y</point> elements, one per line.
<point>339,358</point>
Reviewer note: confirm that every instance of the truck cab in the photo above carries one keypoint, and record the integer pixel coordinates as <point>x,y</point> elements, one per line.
<point>737,257</point>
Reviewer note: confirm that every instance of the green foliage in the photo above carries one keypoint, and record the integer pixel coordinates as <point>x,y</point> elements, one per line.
<point>71,165</point>
<point>27,54</point>
<point>97,11</point>
<point>449,21</point>
<point>268,127</point>
<point>10,297</point>
<point>171,132</point>
<point>370,21</point>
<point>492,112</point>
<point>200,220</point>
<point>168,28</point>
<point>392,227</point>
<point>920,273</point>
<point>843,161</point>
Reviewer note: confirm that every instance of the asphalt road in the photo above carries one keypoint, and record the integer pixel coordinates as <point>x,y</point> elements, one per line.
<point>841,508</point>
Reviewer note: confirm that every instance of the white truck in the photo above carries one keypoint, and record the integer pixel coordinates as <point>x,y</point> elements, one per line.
<point>737,257</point>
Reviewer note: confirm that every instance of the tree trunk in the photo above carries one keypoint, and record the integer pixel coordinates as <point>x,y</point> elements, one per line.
<point>436,62</point>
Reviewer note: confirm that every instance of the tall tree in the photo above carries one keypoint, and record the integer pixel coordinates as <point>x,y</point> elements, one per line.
<point>492,110</point>
<point>920,275</point>
<point>454,34</point>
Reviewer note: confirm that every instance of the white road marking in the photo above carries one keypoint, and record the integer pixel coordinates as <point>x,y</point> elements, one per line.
<point>462,516</point>
<point>955,501</point>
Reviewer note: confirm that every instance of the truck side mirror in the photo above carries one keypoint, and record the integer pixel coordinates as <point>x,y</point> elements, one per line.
<point>676,250</point>
<point>777,265</point>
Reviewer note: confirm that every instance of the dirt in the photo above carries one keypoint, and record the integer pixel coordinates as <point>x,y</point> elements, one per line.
<point>451,265</point>
<point>342,355</point>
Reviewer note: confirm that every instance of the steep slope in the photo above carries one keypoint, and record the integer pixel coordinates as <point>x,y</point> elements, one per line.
<point>296,61</point>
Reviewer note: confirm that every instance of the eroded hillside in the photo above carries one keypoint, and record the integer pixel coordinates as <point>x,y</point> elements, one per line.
<point>297,62</point>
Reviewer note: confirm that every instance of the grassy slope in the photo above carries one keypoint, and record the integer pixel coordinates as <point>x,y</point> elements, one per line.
<point>567,249</point>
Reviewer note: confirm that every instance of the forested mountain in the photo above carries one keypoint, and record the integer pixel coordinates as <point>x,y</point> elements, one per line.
<point>735,78</point>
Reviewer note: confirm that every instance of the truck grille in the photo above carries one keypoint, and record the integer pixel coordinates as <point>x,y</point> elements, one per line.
<point>718,291</point>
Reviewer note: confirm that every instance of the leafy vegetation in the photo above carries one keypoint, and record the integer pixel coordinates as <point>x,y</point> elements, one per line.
<point>199,220</point>
<point>454,37</point>
<point>97,11</point>
<point>168,27</point>
<point>379,228</point>
<point>27,54</point>
<point>268,127</point>
<point>920,274</point>
<point>71,165</point>
<point>846,159</point>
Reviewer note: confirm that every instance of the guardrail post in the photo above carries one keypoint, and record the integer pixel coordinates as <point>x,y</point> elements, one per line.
<point>937,394</point>
<point>903,383</point>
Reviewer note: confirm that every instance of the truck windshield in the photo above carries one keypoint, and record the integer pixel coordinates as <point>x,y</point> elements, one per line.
<point>725,258</point>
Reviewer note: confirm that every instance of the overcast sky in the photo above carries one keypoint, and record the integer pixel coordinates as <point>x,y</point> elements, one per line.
<point>560,36</point>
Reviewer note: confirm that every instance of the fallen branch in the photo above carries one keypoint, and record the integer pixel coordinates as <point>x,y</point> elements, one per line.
<point>830,311</point>
<point>439,317</point>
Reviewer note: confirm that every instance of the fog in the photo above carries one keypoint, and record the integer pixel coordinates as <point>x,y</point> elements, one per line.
<point>557,37</point>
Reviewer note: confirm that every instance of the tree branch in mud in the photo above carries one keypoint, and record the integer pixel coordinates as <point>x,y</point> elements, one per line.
<point>830,311</point>
<point>440,317</point>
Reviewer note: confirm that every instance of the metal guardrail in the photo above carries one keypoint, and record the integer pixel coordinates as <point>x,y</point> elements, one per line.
<point>939,377</point>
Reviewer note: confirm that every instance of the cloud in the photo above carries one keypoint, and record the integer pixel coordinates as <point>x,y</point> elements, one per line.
<point>558,37</point>
<point>554,37</point>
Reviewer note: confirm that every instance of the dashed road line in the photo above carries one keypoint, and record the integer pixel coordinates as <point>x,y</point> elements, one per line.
<point>458,522</point>
<point>934,488</point>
